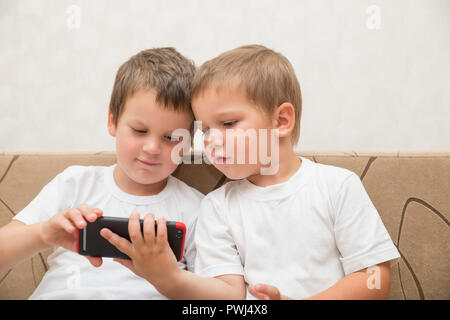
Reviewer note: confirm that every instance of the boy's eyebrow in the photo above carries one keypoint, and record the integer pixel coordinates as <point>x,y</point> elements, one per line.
<point>138,122</point>
<point>231,111</point>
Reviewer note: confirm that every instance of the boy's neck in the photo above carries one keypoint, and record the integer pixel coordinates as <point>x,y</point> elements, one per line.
<point>136,189</point>
<point>289,163</point>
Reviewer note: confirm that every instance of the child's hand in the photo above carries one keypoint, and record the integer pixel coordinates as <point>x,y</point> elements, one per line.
<point>61,229</point>
<point>266,292</point>
<point>151,256</point>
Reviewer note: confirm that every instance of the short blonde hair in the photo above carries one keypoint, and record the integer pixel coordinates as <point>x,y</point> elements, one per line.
<point>163,69</point>
<point>267,78</point>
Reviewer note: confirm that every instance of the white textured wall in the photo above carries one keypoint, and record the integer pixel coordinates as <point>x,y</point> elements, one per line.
<point>375,75</point>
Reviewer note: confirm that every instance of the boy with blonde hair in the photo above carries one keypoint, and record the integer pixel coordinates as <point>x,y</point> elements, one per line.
<point>303,230</point>
<point>150,100</point>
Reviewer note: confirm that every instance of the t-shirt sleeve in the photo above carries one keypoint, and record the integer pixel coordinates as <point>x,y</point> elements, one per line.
<point>217,253</point>
<point>52,199</point>
<point>360,235</point>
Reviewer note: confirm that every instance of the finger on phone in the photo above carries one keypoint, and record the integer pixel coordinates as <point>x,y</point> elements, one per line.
<point>122,244</point>
<point>67,224</point>
<point>134,230</point>
<point>149,228</point>
<point>75,216</point>
<point>88,213</point>
<point>98,212</point>
<point>161,234</point>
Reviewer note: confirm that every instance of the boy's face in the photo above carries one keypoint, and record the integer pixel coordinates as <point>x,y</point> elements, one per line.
<point>227,117</point>
<point>143,138</point>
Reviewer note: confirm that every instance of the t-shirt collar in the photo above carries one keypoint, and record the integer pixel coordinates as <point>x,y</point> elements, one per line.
<point>121,195</point>
<point>277,191</point>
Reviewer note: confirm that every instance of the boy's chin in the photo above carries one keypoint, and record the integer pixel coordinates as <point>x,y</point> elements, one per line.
<point>147,181</point>
<point>234,173</point>
<point>147,178</point>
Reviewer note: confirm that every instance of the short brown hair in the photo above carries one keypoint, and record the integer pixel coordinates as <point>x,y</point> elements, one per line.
<point>163,69</point>
<point>267,78</point>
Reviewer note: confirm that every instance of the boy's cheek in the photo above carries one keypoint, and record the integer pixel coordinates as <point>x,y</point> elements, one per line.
<point>127,148</point>
<point>168,161</point>
<point>245,149</point>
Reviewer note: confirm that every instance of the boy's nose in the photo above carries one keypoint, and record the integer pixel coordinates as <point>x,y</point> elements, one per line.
<point>214,137</point>
<point>152,146</point>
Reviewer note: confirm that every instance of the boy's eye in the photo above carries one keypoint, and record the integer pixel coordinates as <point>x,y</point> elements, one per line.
<point>229,123</point>
<point>172,138</point>
<point>139,131</point>
<point>205,132</point>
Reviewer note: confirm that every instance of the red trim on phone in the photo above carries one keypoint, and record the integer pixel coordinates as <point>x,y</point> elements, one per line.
<point>182,226</point>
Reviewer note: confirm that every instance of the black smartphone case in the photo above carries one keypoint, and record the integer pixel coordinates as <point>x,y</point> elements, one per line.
<point>91,243</point>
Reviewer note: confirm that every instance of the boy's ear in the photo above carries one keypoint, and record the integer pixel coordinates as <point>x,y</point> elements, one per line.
<point>111,124</point>
<point>284,119</point>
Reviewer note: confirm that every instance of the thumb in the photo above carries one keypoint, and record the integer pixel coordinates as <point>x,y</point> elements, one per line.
<point>267,292</point>
<point>95,261</point>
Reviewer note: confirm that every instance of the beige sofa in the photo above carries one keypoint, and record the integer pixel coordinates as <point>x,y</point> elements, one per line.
<point>410,191</point>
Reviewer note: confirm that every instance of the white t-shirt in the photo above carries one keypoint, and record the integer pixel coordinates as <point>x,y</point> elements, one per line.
<point>70,275</point>
<point>302,235</point>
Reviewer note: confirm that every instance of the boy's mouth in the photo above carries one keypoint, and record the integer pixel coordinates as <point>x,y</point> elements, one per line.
<point>148,163</point>
<point>221,159</point>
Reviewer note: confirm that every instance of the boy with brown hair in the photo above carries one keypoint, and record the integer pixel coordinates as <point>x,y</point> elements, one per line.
<point>286,228</point>
<point>149,101</point>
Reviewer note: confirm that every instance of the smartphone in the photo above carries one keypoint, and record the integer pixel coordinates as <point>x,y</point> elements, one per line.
<point>91,243</point>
